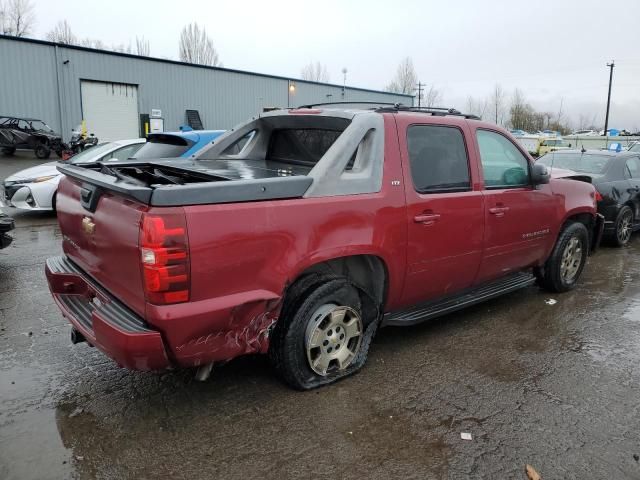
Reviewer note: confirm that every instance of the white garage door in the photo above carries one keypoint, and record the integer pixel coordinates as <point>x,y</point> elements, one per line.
<point>110,110</point>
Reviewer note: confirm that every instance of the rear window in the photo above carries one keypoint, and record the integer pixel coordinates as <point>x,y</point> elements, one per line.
<point>578,162</point>
<point>164,146</point>
<point>438,159</point>
<point>304,146</point>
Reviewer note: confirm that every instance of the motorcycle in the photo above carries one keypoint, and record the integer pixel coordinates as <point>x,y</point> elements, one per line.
<point>79,142</point>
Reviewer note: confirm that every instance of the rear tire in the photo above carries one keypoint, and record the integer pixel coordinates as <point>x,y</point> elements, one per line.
<point>564,267</point>
<point>321,336</point>
<point>42,152</point>
<point>623,227</point>
<point>8,151</point>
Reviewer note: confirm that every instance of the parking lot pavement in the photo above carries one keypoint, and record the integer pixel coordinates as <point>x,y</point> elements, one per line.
<point>555,386</point>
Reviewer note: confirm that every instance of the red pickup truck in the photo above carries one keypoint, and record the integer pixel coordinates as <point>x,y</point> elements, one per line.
<point>300,232</point>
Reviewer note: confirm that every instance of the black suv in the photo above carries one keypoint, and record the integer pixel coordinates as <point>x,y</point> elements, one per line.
<point>28,134</point>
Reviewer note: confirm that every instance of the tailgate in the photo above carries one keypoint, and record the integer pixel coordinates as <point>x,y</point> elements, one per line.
<point>103,242</point>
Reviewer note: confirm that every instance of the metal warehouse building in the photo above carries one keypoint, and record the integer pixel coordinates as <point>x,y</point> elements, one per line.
<point>116,94</point>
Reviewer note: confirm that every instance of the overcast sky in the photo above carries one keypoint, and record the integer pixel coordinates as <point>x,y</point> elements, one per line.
<point>551,50</point>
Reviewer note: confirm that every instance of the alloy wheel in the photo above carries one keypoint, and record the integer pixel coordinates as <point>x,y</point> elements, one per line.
<point>571,260</point>
<point>333,338</point>
<point>625,227</point>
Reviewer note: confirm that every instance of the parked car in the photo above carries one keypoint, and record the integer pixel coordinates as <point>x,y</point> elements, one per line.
<point>177,144</point>
<point>634,147</point>
<point>28,134</point>
<point>299,233</point>
<point>585,133</point>
<point>6,225</point>
<point>616,177</point>
<point>551,144</point>
<point>35,188</point>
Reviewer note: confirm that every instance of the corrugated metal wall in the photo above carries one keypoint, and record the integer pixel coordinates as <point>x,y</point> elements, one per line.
<point>32,86</point>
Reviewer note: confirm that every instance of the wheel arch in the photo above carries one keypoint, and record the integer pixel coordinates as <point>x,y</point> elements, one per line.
<point>368,272</point>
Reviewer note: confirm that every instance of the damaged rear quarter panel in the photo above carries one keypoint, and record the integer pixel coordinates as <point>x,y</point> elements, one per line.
<point>244,255</point>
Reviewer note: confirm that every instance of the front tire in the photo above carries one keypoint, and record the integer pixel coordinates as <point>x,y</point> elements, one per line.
<point>42,151</point>
<point>321,336</point>
<point>623,227</point>
<point>8,151</point>
<point>564,267</point>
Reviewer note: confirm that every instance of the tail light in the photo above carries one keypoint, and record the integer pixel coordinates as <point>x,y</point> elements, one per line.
<point>598,196</point>
<point>164,254</point>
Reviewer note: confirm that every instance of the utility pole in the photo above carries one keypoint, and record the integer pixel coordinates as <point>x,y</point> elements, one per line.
<point>344,81</point>
<point>606,117</point>
<point>419,90</point>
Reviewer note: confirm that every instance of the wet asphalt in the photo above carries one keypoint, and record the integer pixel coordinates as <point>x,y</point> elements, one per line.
<point>554,386</point>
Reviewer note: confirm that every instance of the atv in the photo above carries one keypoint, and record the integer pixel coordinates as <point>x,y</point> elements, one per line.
<point>29,134</point>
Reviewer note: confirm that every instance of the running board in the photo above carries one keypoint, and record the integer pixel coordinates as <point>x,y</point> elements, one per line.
<point>427,311</point>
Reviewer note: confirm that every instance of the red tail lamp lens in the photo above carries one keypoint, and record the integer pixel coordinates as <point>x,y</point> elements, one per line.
<point>164,255</point>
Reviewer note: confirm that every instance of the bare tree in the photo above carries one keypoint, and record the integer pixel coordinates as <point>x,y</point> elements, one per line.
<point>498,99</point>
<point>432,97</point>
<point>477,107</point>
<point>315,72</point>
<point>406,78</point>
<point>142,47</point>
<point>197,47</point>
<point>17,17</point>
<point>4,23</point>
<point>122,48</point>
<point>93,43</point>
<point>62,33</point>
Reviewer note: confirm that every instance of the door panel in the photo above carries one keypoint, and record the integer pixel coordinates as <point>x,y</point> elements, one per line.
<point>518,226</point>
<point>632,167</point>
<point>444,249</point>
<point>445,212</point>
<point>518,217</point>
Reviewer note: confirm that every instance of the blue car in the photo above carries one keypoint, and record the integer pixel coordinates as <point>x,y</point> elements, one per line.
<point>176,144</point>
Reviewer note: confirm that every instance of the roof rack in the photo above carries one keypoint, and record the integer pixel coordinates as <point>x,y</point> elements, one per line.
<point>399,107</point>
<point>441,111</point>
<point>311,105</point>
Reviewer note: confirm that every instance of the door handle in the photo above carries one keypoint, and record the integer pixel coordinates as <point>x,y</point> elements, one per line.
<point>427,218</point>
<point>498,211</point>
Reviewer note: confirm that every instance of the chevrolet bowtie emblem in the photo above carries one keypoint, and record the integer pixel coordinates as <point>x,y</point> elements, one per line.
<point>88,226</point>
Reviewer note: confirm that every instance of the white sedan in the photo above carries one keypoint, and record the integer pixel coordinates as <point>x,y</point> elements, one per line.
<point>35,188</point>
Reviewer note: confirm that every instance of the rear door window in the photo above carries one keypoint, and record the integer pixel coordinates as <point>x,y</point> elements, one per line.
<point>503,165</point>
<point>633,167</point>
<point>438,159</point>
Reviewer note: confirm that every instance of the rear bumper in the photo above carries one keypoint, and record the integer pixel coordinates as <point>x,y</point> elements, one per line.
<point>104,321</point>
<point>598,230</point>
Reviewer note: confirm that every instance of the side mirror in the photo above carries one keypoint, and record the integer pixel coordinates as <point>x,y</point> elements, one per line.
<point>540,174</point>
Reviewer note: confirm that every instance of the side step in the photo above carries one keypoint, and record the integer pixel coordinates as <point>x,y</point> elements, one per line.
<point>427,311</point>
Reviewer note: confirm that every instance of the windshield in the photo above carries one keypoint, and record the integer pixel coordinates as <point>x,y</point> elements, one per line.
<point>93,153</point>
<point>635,148</point>
<point>40,125</point>
<point>578,162</point>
